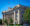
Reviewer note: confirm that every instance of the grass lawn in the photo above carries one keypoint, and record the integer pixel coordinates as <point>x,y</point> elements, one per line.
<point>16,25</point>
<point>13,25</point>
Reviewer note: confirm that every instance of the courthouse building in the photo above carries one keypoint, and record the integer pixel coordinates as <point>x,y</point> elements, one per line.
<point>15,13</point>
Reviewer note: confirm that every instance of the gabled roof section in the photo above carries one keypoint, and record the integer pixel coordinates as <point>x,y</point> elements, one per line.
<point>17,6</point>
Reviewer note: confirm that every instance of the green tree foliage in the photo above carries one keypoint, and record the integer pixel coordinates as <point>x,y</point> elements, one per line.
<point>11,20</point>
<point>5,21</point>
<point>0,21</point>
<point>27,14</point>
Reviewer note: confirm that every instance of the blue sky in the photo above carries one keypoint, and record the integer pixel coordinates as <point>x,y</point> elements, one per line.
<point>4,4</point>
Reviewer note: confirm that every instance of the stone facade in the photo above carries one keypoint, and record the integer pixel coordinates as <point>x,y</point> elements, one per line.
<point>14,13</point>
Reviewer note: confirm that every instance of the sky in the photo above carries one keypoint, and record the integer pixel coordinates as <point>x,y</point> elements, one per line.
<point>4,4</point>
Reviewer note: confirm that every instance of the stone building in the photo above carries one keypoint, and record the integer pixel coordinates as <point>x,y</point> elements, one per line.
<point>15,13</point>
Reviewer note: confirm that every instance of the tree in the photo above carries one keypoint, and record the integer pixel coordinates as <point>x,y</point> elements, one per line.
<point>27,14</point>
<point>5,21</point>
<point>1,21</point>
<point>11,20</point>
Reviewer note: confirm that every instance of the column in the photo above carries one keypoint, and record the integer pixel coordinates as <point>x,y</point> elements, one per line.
<point>18,16</point>
<point>4,16</point>
<point>14,17</point>
<point>3,19</point>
